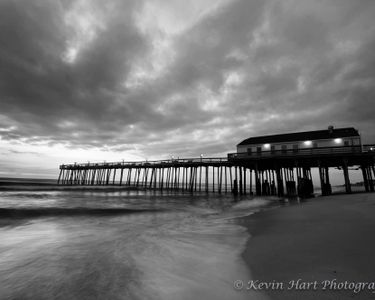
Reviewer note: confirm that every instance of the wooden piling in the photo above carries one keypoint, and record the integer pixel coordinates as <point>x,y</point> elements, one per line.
<point>365,178</point>
<point>371,179</point>
<point>348,187</point>
<point>226,179</point>
<point>244,180</point>
<point>240,180</point>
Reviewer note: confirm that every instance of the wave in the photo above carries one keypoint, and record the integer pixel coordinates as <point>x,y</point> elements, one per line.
<point>53,187</point>
<point>76,211</point>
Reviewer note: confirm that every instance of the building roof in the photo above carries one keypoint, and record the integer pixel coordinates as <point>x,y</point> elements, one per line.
<point>330,133</point>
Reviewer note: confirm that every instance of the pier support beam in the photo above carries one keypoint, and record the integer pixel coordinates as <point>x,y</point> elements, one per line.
<point>240,173</point>
<point>58,180</point>
<point>365,178</point>
<point>371,178</point>
<point>348,187</point>
<point>324,180</point>
<point>280,183</point>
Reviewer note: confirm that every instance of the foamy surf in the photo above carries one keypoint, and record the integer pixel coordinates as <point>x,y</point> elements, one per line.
<point>195,265</point>
<point>197,258</point>
<point>180,249</point>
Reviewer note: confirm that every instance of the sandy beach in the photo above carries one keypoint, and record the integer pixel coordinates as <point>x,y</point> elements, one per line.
<point>321,242</point>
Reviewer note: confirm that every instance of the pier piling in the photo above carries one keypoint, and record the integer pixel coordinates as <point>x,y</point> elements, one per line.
<point>263,176</point>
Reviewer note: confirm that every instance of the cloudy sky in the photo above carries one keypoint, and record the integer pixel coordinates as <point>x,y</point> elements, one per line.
<point>93,80</point>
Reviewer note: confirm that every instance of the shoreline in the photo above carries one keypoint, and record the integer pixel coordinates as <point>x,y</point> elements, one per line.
<point>324,238</point>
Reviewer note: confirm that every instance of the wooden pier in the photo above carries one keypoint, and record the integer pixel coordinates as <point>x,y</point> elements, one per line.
<point>287,173</point>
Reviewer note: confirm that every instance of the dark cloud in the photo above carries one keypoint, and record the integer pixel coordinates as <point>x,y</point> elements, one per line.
<point>245,68</point>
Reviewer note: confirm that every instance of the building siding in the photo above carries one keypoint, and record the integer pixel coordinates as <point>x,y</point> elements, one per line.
<point>322,143</point>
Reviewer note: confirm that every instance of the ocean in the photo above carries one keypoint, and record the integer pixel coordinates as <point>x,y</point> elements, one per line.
<point>59,242</point>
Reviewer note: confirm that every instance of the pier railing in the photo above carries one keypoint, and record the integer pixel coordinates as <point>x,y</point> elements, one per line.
<point>368,148</point>
<point>146,163</point>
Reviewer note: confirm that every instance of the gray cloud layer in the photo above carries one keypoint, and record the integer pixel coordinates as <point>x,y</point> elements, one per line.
<point>246,68</point>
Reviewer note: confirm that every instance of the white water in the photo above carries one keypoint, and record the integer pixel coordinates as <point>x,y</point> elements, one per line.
<point>190,250</point>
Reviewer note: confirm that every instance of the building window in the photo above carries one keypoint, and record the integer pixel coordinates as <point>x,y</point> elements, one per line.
<point>315,145</point>
<point>295,148</point>
<point>259,150</point>
<point>338,141</point>
<point>346,143</point>
<point>273,149</point>
<point>283,148</point>
<point>249,151</point>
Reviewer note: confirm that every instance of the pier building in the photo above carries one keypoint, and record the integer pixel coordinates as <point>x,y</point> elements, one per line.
<point>330,140</point>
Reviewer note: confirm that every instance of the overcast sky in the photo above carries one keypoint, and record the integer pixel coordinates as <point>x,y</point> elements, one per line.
<point>118,79</point>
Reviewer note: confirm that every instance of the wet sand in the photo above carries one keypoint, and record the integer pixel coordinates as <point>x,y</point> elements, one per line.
<point>325,238</point>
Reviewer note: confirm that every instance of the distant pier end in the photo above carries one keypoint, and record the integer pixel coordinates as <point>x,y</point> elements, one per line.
<point>265,165</point>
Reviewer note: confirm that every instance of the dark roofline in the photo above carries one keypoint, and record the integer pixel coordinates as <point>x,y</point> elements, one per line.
<point>302,136</point>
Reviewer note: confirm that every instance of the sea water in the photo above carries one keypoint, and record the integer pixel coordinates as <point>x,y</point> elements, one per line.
<point>115,243</point>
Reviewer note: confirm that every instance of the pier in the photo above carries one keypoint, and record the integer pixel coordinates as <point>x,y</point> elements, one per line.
<point>279,173</point>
